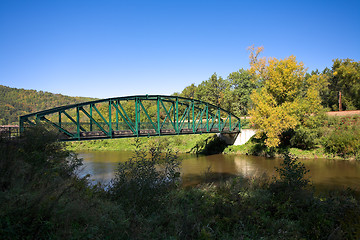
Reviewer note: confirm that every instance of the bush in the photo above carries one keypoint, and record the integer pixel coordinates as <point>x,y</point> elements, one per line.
<point>344,141</point>
<point>305,138</point>
<point>145,178</point>
<point>291,176</point>
<point>42,197</point>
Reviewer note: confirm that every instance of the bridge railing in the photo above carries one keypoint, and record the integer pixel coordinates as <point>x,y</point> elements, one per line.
<point>9,131</point>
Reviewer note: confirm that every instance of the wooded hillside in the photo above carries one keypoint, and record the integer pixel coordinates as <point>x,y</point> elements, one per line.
<point>15,102</point>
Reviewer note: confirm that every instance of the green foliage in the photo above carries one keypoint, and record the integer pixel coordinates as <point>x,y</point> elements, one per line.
<point>292,175</point>
<point>343,77</point>
<point>241,87</point>
<point>232,93</point>
<point>343,141</point>
<point>307,135</point>
<point>318,137</point>
<point>189,91</point>
<point>304,138</point>
<point>42,197</point>
<point>142,181</point>
<point>286,99</point>
<point>16,102</point>
<point>246,124</point>
<point>214,91</point>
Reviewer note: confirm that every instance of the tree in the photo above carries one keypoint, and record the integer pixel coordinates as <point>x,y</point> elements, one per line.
<point>189,91</point>
<point>213,91</point>
<point>286,97</point>
<point>344,77</point>
<point>241,87</point>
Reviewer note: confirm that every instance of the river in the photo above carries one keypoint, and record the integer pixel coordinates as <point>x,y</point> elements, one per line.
<point>324,173</point>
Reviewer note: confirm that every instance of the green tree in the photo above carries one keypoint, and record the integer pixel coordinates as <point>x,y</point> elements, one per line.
<point>213,91</point>
<point>286,98</point>
<point>344,77</point>
<point>189,91</point>
<point>241,87</point>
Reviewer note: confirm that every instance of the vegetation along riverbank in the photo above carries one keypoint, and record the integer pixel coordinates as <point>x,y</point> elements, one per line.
<point>42,198</point>
<point>322,137</point>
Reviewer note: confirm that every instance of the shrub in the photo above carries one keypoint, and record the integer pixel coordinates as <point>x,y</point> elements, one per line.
<point>305,138</point>
<point>140,182</point>
<point>38,181</point>
<point>344,141</point>
<point>291,176</point>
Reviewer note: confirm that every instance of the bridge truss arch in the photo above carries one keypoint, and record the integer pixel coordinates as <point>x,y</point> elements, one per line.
<point>134,116</point>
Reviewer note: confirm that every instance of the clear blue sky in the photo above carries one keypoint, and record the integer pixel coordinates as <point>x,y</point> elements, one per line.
<point>117,48</point>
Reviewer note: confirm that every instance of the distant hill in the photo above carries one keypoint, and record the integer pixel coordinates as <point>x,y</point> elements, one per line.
<point>15,102</point>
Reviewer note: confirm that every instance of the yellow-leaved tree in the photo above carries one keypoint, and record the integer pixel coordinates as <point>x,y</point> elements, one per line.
<point>286,96</point>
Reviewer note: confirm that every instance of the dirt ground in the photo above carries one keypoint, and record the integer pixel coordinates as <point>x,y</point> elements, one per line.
<point>344,113</point>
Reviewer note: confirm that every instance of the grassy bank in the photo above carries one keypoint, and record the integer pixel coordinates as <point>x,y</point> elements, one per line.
<point>42,198</point>
<point>192,143</point>
<point>253,147</point>
<point>181,143</point>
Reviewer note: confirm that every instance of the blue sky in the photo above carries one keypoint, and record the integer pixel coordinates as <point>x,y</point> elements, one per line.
<point>116,48</point>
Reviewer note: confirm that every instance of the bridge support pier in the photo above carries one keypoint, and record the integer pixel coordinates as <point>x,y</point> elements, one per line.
<point>229,138</point>
<point>237,138</point>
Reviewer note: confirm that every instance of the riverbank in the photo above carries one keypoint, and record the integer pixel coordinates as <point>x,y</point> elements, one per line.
<point>196,144</point>
<point>253,148</point>
<point>331,137</point>
<point>181,143</point>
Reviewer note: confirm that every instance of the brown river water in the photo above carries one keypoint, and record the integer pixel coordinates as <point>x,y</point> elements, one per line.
<point>324,173</point>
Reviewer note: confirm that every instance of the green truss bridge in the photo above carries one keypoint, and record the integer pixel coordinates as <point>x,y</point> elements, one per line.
<point>134,116</point>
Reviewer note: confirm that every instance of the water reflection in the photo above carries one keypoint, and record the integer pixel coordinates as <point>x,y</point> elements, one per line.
<point>255,166</point>
<point>101,165</point>
<point>324,173</point>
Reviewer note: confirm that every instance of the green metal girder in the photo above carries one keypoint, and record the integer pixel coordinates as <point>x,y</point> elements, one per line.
<point>147,115</point>
<point>182,120</point>
<point>200,118</point>
<point>179,110</point>
<point>58,127</point>
<point>100,115</point>
<point>75,122</point>
<point>126,119</point>
<point>93,120</point>
<point>167,115</point>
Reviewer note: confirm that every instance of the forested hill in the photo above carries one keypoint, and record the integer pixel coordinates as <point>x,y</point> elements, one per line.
<point>15,102</point>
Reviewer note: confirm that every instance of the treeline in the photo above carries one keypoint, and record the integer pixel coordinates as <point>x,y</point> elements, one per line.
<point>233,92</point>
<point>15,102</point>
